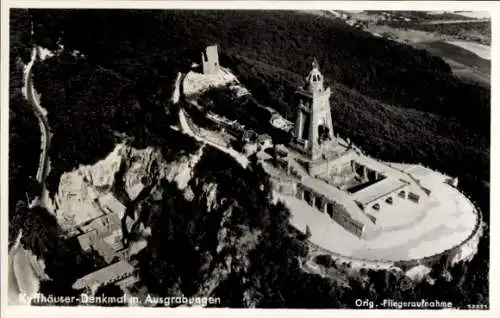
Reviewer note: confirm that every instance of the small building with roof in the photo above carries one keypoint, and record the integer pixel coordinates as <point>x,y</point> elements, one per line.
<point>107,275</point>
<point>104,235</point>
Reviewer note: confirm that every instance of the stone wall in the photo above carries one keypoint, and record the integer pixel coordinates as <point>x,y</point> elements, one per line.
<point>463,251</point>
<point>335,210</point>
<point>286,186</point>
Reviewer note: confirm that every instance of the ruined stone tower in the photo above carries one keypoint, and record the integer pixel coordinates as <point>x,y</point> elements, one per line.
<point>313,134</point>
<point>210,60</point>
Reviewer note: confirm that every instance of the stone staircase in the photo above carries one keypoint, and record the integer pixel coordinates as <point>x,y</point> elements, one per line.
<point>297,169</point>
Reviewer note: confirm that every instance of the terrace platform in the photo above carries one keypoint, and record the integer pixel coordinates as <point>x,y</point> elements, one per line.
<point>408,230</point>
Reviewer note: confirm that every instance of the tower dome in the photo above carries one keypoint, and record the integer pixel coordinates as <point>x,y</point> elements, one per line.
<point>314,80</point>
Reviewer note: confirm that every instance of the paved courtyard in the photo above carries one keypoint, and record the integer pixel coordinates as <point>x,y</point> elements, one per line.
<point>409,230</point>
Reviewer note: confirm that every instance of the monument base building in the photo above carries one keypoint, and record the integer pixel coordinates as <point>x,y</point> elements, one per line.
<point>333,176</point>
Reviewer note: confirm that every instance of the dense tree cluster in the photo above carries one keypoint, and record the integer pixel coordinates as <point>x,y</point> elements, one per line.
<point>185,236</point>
<point>376,67</point>
<point>112,291</point>
<point>20,36</point>
<point>246,110</point>
<point>90,107</point>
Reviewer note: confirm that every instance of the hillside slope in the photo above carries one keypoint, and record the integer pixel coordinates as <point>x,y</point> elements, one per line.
<point>376,67</point>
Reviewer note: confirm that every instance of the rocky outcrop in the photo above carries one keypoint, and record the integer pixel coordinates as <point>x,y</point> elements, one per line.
<point>231,255</point>
<point>233,241</point>
<point>211,192</point>
<point>137,177</point>
<point>181,171</point>
<point>130,175</point>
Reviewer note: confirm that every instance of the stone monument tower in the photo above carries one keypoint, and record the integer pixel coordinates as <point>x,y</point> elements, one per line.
<point>210,60</point>
<point>313,135</point>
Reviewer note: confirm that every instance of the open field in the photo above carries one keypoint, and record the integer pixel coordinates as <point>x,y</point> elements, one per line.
<point>474,14</point>
<point>462,39</point>
<point>464,63</point>
<point>456,53</point>
<point>468,60</point>
<point>467,14</point>
<point>481,50</point>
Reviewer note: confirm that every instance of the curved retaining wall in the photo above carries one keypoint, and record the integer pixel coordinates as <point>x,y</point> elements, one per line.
<point>462,251</point>
<point>457,252</point>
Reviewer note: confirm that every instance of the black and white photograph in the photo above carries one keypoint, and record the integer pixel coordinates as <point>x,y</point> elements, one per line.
<point>248,158</point>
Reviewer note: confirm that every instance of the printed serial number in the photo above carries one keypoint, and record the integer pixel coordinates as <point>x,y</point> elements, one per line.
<point>480,306</point>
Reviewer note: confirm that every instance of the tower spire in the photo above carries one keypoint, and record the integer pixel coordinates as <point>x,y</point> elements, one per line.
<point>315,64</point>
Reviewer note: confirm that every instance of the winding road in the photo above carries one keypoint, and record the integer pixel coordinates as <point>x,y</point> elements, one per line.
<point>39,112</point>
<point>185,128</point>
<point>25,271</point>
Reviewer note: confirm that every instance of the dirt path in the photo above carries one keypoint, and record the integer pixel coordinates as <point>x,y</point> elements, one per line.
<point>241,159</point>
